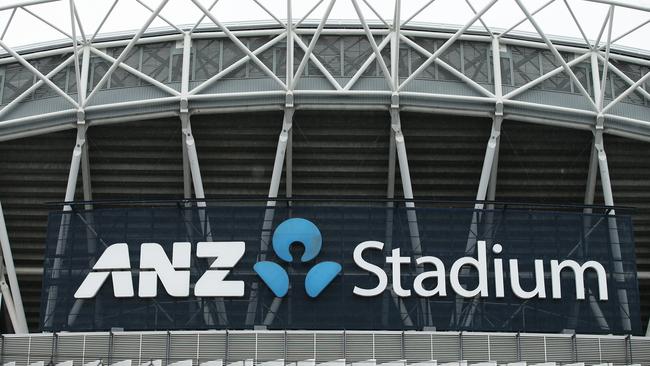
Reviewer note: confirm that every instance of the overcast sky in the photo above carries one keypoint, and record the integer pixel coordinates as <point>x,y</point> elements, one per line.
<point>128,15</point>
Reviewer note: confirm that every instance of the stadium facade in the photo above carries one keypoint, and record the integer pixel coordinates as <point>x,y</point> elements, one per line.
<point>462,194</point>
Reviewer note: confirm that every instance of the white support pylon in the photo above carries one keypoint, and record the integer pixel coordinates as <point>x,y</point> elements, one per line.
<point>267,225</point>
<point>11,293</point>
<point>615,246</point>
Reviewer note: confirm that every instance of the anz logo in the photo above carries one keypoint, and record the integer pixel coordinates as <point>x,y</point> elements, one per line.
<point>223,256</point>
<point>306,233</point>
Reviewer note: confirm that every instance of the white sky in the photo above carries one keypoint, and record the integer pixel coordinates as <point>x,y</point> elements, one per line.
<point>128,15</point>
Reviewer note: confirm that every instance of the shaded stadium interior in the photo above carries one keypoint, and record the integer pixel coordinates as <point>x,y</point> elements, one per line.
<point>335,155</point>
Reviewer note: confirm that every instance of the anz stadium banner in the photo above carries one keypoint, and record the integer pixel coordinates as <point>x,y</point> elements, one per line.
<point>346,267</point>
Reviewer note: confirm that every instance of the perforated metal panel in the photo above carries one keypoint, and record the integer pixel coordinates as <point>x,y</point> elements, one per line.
<point>97,347</point>
<point>640,347</point>
<point>388,347</point>
<point>16,349</point>
<point>532,348</point>
<point>241,346</point>
<point>446,347</point>
<point>40,348</point>
<point>503,348</point>
<point>329,346</point>
<point>212,346</point>
<point>417,346</point>
<point>559,348</point>
<point>588,349</point>
<point>476,347</point>
<point>126,346</point>
<point>300,346</point>
<point>183,346</point>
<point>154,346</point>
<point>71,347</point>
<point>359,346</point>
<point>613,350</point>
<point>270,346</point>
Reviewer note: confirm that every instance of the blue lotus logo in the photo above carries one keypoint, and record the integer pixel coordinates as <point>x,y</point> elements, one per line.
<point>306,233</point>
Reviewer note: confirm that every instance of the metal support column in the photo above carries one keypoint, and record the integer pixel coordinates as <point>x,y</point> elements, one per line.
<point>71,187</point>
<point>615,246</point>
<point>411,216</point>
<point>267,225</point>
<point>13,299</point>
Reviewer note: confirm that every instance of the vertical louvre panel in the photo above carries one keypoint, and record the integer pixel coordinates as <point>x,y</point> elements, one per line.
<point>345,156</point>
<point>212,346</point>
<point>34,170</point>
<point>70,347</point>
<point>40,348</point>
<point>503,348</point>
<point>445,154</point>
<point>417,346</point>
<point>614,350</point>
<point>97,347</point>
<point>559,349</point>
<point>475,348</point>
<point>241,346</point>
<point>140,160</point>
<point>359,347</point>
<point>388,347</point>
<point>16,350</point>
<point>588,349</point>
<point>446,347</point>
<point>183,346</point>
<point>300,346</point>
<point>329,346</point>
<point>270,346</point>
<point>532,349</point>
<point>640,350</point>
<point>126,346</point>
<point>154,346</point>
<point>236,152</point>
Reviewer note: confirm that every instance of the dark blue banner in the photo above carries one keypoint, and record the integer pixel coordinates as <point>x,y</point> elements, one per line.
<point>325,267</point>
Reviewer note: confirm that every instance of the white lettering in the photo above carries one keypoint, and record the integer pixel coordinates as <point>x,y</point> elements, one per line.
<point>579,273</point>
<point>396,260</point>
<point>381,275</point>
<point>481,266</point>
<point>176,282</point>
<point>226,254</point>
<point>439,272</point>
<point>115,257</point>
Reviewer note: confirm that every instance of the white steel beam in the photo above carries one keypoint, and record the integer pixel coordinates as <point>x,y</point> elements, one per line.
<point>70,190</point>
<point>126,51</point>
<point>371,39</point>
<point>603,83</point>
<point>628,91</point>
<point>312,45</point>
<point>139,74</point>
<point>290,44</point>
<point>615,247</point>
<point>20,322</point>
<point>267,225</point>
<point>23,3</point>
<point>101,24</point>
<point>199,88</point>
<point>446,45</point>
<point>317,63</point>
<point>473,84</point>
<point>625,78</point>
<point>239,44</point>
<point>557,55</point>
<point>38,74</point>
<point>6,109</point>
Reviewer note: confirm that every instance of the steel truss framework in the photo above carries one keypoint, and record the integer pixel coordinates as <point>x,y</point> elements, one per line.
<point>386,34</point>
